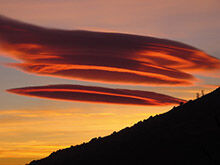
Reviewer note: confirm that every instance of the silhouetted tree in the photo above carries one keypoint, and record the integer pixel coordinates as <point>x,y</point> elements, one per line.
<point>173,136</point>
<point>197,95</point>
<point>202,92</point>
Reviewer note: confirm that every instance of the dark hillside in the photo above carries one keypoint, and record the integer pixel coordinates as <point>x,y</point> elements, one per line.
<point>186,135</point>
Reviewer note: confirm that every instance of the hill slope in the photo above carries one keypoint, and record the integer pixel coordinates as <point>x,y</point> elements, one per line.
<point>188,134</point>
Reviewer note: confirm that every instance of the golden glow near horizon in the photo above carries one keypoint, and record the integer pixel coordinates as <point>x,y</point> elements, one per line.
<point>37,133</point>
<point>32,128</point>
<point>28,134</point>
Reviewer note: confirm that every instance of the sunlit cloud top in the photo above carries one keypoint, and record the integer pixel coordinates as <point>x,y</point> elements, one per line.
<point>102,57</point>
<point>97,95</point>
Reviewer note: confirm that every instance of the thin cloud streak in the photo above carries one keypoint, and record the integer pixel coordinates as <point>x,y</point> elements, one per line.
<point>102,57</point>
<point>97,95</point>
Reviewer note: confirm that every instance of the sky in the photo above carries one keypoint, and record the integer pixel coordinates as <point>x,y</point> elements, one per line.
<point>35,118</point>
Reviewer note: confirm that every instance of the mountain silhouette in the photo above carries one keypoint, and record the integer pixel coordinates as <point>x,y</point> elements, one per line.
<point>186,135</point>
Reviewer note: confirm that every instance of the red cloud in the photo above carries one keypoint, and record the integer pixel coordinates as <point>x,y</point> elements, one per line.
<point>101,57</point>
<point>97,95</point>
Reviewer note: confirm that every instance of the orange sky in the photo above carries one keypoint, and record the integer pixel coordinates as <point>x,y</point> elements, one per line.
<point>31,128</point>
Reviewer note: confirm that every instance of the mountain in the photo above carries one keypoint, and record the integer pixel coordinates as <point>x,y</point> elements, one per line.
<point>186,135</point>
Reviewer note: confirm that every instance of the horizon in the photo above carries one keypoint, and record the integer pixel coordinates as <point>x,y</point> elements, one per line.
<point>44,107</point>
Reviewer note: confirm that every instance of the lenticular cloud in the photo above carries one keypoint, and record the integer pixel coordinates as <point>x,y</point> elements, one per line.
<point>101,57</point>
<point>97,95</point>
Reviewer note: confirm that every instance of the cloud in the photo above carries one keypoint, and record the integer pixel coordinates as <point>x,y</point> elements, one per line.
<point>97,95</point>
<point>101,57</point>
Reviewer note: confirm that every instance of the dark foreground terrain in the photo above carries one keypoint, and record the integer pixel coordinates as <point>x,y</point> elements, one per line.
<point>188,134</point>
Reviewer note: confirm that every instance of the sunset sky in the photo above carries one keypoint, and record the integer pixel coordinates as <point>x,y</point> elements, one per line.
<point>137,58</point>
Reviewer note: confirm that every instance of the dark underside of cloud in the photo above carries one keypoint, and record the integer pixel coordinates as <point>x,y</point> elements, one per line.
<point>101,57</point>
<point>97,95</point>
